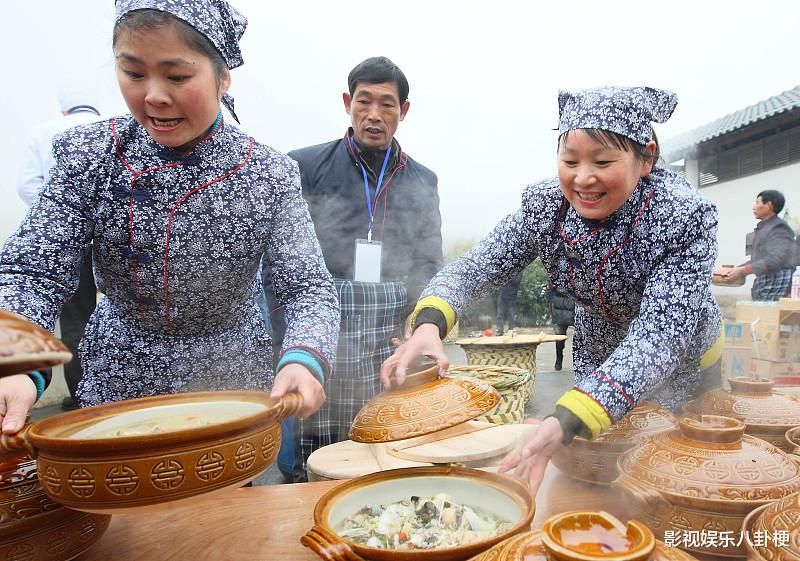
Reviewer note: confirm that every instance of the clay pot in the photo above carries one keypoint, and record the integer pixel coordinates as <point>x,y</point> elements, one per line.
<point>595,461</point>
<point>500,494</point>
<point>424,404</point>
<point>766,413</point>
<point>781,520</point>
<point>84,465</point>
<point>24,346</point>
<point>532,546</point>
<point>793,438</point>
<point>708,475</point>
<point>34,527</point>
<point>720,278</point>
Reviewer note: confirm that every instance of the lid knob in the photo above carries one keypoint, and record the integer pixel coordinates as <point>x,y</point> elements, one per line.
<point>714,429</point>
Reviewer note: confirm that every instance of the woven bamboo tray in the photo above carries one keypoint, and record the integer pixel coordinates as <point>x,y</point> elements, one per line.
<point>510,350</point>
<point>514,385</point>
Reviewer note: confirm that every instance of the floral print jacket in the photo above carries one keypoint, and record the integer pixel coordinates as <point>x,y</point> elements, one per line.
<point>641,280</point>
<point>177,246</point>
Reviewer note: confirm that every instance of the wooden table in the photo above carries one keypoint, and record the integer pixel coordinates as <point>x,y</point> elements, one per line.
<point>266,523</point>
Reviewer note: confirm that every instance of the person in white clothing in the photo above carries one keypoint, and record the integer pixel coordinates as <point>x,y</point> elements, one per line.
<point>78,108</point>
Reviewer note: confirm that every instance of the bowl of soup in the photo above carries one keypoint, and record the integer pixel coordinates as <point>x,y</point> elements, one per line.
<point>419,514</point>
<point>138,453</point>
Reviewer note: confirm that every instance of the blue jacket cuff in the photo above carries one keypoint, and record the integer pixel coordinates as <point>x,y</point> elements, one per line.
<point>300,356</point>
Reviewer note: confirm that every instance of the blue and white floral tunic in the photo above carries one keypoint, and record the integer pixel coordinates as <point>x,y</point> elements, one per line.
<point>641,280</point>
<point>177,251</point>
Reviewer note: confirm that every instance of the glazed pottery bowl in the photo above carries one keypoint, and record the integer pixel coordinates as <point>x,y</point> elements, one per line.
<point>595,461</point>
<point>423,404</point>
<point>141,452</point>
<point>772,532</point>
<point>24,346</point>
<point>596,536</point>
<point>529,546</point>
<point>706,476</point>
<point>32,526</point>
<point>498,494</point>
<point>766,413</point>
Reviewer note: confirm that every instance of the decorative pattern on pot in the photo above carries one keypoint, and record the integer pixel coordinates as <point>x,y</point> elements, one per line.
<point>766,413</point>
<point>775,521</point>
<point>706,476</point>
<point>60,535</point>
<point>595,461</point>
<point>24,346</point>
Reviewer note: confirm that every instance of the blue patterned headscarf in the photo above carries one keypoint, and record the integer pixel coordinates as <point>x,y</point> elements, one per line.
<point>626,111</point>
<point>217,20</point>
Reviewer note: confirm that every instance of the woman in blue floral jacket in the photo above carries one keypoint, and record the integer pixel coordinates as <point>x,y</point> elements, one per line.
<point>179,207</point>
<point>632,244</point>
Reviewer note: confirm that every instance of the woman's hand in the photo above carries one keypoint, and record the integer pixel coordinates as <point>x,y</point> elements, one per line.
<point>424,342</point>
<point>17,396</point>
<point>296,377</point>
<point>532,458</point>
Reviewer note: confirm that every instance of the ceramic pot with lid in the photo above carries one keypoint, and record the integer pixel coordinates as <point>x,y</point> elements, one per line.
<point>24,346</point>
<point>32,526</point>
<point>705,477</point>
<point>141,452</point>
<point>584,536</point>
<point>793,438</point>
<point>425,403</point>
<point>498,494</point>
<point>772,532</point>
<point>595,461</point>
<point>766,413</point>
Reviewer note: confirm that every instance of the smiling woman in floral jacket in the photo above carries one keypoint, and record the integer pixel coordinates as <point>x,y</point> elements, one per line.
<point>179,208</point>
<point>632,244</point>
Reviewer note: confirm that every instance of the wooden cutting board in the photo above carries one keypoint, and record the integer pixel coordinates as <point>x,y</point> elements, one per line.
<point>468,442</point>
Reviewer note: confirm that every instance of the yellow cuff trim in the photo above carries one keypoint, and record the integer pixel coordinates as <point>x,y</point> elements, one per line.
<point>714,354</point>
<point>438,304</point>
<point>587,410</point>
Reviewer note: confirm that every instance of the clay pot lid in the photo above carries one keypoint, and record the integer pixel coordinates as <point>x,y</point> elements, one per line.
<point>709,457</point>
<point>24,346</point>
<point>424,404</point>
<point>753,401</point>
<point>793,436</point>
<point>529,546</point>
<point>779,519</point>
<point>646,419</point>
<point>719,277</point>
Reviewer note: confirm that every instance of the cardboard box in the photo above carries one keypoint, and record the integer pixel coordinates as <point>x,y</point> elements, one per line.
<point>738,334</point>
<point>789,343</point>
<point>736,361</point>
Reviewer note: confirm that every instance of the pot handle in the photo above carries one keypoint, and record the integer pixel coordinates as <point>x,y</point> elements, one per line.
<point>328,545</point>
<point>291,402</point>
<point>17,442</point>
<point>648,503</point>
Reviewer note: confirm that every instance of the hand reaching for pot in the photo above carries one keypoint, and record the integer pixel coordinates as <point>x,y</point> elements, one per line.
<point>530,461</point>
<point>424,342</point>
<point>298,378</point>
<point>17,396</point>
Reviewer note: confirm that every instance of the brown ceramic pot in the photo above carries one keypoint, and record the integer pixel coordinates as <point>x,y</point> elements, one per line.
<point>772,532</point>
<point>424,404</point>
<point>32,526</point>
<point>766,413</point>
<point>595,461</point>
<point>529,546</point>
<point>497,493</point>
<point>793,438</point>
<point>82,463</point>
<point>707,476</point>
<point>24,346</point>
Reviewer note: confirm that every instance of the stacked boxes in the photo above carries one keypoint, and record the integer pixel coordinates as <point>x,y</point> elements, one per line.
<point>774,328</point>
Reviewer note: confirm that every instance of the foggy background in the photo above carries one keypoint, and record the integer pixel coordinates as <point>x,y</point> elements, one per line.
<point>484,77</point>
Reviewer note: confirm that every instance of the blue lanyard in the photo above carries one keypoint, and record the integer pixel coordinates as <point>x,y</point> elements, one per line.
<point>370,209</point>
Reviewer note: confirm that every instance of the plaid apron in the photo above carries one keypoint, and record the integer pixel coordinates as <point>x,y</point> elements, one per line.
<point>773,286</point>
<point>372,314</point>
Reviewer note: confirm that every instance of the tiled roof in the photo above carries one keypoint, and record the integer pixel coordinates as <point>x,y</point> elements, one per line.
<point>781,103</point>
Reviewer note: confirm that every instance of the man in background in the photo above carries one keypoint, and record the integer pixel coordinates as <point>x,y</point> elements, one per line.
<point>77,109</point>
<point>770,249</point>
<point>376,215</point>
<point>507,303</point>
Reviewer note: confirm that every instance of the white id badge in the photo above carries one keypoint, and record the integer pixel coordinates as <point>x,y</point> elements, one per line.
<point>367,267</point>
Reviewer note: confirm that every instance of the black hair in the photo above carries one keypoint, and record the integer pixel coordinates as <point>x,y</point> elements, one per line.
<point>618,141</point>
<point>377,70</point>
<point>148,20</point>
<point>775,197</point>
